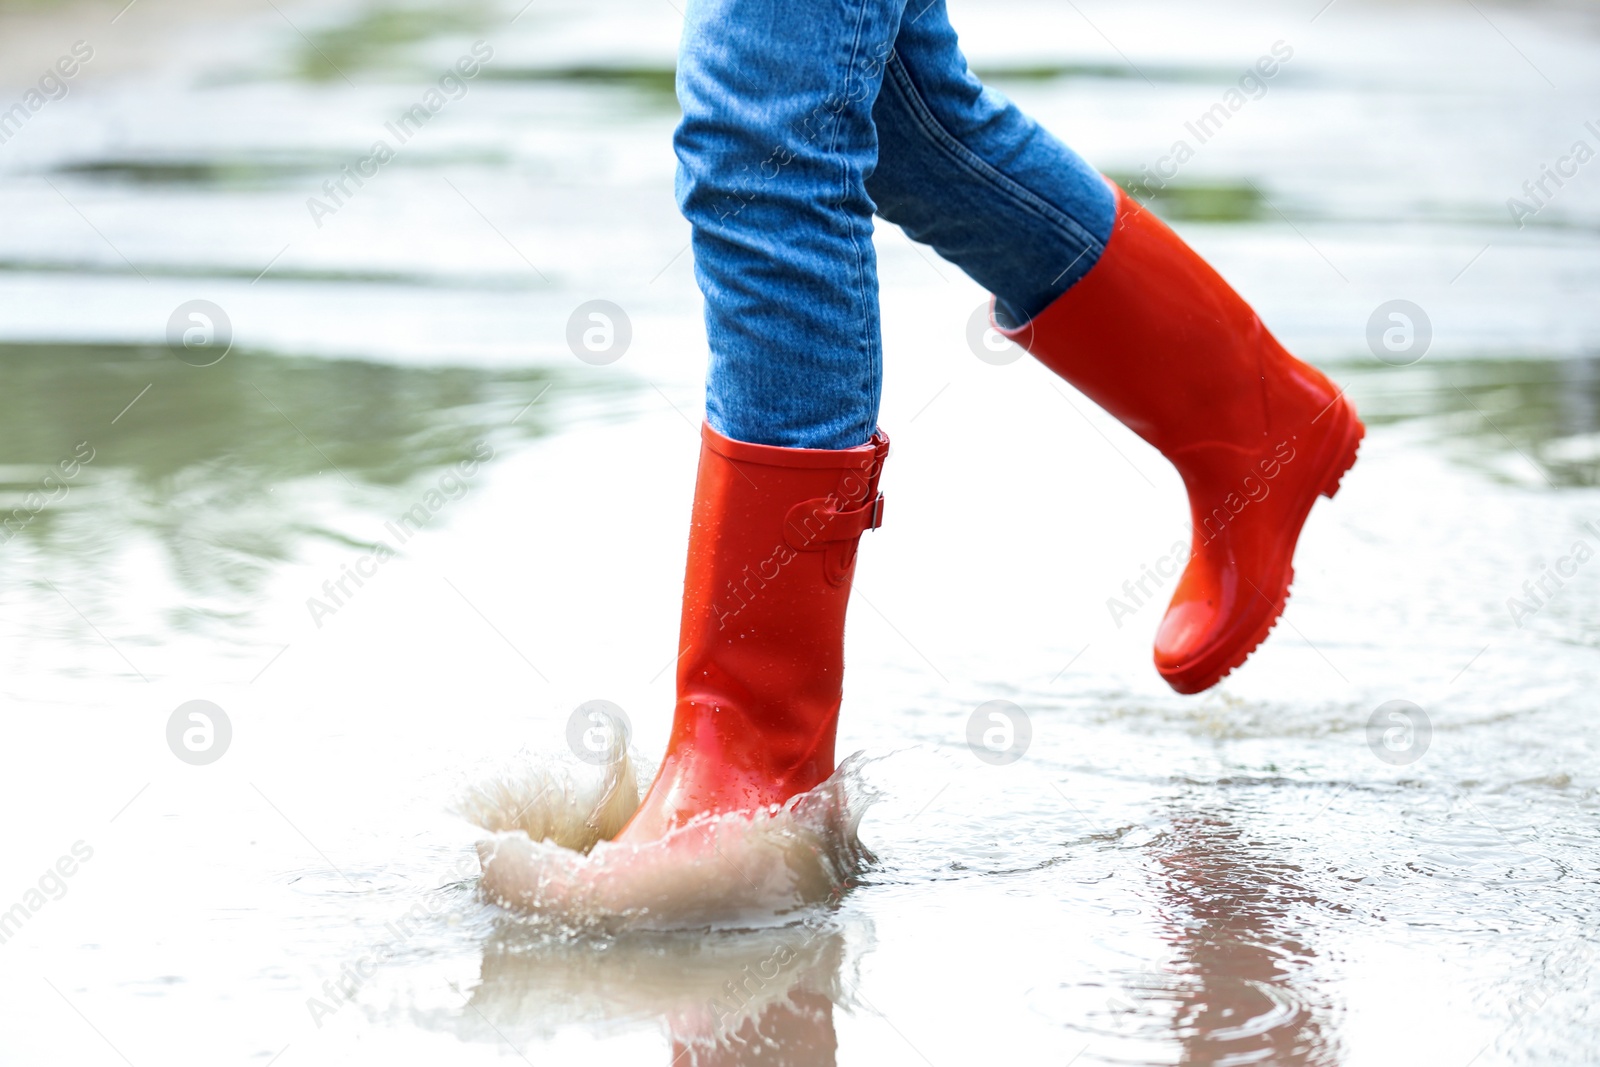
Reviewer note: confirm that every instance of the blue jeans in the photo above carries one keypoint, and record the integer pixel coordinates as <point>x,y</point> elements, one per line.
<point>800,122</point>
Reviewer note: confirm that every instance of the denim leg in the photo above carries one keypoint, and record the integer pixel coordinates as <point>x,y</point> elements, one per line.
<point>963,170</point>
<point>775,148</point>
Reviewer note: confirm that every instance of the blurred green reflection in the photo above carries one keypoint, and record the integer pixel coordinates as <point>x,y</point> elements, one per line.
<point>232,466</point>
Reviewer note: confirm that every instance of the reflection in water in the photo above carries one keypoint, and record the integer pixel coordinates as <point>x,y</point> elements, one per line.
<point>1196,201</point>
<point>1236,988</point>
<point>726,998</point>
<point>1548,410</point>
<point>214,172</point>
<point>1241,994</point>
<point>230,468</point>
<point>379,36</point>
<point>651,86</point>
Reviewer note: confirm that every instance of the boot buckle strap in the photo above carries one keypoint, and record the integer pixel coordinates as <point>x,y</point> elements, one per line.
<point>816,525</point>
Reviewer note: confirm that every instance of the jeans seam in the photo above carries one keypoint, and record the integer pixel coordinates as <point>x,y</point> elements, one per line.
<point>980,168</point>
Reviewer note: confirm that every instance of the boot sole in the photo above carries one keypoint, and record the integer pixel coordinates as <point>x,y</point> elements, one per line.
<point>1212,667</point>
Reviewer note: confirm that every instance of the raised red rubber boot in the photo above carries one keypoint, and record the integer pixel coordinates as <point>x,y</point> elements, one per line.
<point>1157,338</point>
<point>772,551</point>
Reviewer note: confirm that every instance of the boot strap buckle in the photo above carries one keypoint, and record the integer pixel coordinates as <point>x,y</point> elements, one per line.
<point>814,525</point>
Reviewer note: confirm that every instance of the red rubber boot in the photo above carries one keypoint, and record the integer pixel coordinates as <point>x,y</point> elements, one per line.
<point>772,552</point>
<point>1157,338</point>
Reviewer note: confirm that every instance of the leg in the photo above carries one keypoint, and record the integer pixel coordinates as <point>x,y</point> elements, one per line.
<point>963,170</point>
<point>775,149</point>
<point>1114,302</point>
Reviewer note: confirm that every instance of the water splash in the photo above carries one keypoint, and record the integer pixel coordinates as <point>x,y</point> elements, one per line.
<point>563,804</point>
<point>549,856</point>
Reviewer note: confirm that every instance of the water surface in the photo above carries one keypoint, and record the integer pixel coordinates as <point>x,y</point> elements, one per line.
<point>1249,876</point>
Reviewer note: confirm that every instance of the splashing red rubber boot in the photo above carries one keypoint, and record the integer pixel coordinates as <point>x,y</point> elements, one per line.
<point>1155,336</point>
<point>772,552</point>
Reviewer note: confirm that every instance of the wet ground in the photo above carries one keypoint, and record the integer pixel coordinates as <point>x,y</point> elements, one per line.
<point>1290,869</point>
